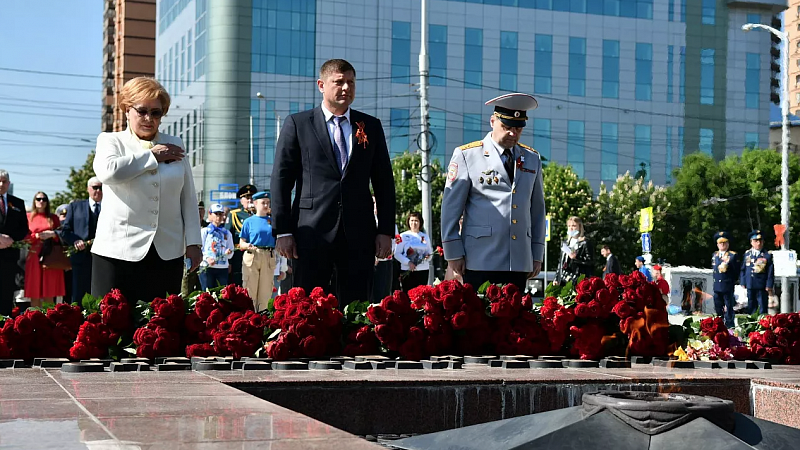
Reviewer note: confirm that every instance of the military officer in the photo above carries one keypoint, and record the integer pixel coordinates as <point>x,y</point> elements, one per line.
<point>726,272</point>
<point>234,225</point>
<point>757,274</point>
<point>496,184</point>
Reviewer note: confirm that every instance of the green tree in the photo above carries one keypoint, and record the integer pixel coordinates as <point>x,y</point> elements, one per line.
<point>407,168</point>
<point>76,183</point>
<point>616,218</point>
<point>737,194</point>
<point>565,195</point>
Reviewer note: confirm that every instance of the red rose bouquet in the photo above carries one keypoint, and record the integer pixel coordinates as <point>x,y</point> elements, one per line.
<point>778,338</point>
<point>306,325</point>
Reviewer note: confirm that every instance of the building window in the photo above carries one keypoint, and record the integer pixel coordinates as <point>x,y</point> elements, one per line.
<point>668,162</point>
<point>682,90</point>
<point>200,39</point>
<point>438,121</point>
<point>671,12</point>
<point>610,69</point>
<point>670,75</point>
<point>168,11</point>
<point>473,64</point>
<point>707,76</point>
<point>751,140</point>
<point>707,141</point>
<point>543,64</point>
<point>644,9</point>
<point>752,81</point>
<point>508,60</point>
<point>399,129</point>
<point>577,66</point>
<point>610,149</point>
<point>753,18</point>
<point>576,146</point>
<point>709,11</point>
<point>681,145</point>
<point>541,137</point>
<point>473,128</point>
<point>437,49</point>
<point>284,38</point>
<point>611,7</point>
<point>683,11</point>
<point>644,71</point>
<point>641,147</point>
<point>401,52</point>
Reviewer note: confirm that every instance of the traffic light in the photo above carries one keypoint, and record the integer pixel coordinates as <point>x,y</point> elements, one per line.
<point>775,65</point>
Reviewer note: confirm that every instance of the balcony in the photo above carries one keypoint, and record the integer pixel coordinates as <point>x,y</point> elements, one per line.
<point>775,5</point>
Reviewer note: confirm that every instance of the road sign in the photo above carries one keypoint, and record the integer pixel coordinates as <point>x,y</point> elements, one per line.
<point>646,243</point>
<point>785,262</point>
<point>646,220</point>
<point>225,194</point>
<point>547,228</point>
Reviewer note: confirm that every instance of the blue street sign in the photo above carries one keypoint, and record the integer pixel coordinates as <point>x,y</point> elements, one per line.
<point>646,243</point>
<point>225,194</point>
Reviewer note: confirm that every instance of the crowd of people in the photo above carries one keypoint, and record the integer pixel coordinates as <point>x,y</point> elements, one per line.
<point>327,220</point>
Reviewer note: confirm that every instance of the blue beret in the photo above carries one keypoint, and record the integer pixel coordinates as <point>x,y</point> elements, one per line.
<point>262,194</point>
<point>721,236</point>
<point>756,235</point>
<point>640,258</point>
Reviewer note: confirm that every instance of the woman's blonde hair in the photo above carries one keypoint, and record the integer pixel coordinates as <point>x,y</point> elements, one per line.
<point>140,89</point>
<point>578,222</point>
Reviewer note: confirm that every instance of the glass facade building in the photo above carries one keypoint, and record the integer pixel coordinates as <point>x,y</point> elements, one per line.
<point>651,80</point>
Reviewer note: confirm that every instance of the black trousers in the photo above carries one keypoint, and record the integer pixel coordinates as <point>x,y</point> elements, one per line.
<point>8,284</point>
<point>757,299</point>
<point>410,280</point>
<point>345,271</point>
<point>382,283</point>
<point>477,277</point>
<point>137,280</point>
<point>81,280</point>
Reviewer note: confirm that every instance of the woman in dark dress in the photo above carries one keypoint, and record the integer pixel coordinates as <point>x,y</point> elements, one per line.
<point>578,260</point>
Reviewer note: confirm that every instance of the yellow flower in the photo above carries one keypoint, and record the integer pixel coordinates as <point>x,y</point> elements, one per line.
<point>680,354</point>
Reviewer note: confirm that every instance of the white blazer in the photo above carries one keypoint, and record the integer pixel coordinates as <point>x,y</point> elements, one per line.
<point>144,202</point>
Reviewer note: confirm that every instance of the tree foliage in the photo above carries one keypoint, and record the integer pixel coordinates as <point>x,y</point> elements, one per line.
<point>407,168</point>
<point>565,195</point>
<point>615,219</point>
<point>76,184</point>
<point>737,194</point>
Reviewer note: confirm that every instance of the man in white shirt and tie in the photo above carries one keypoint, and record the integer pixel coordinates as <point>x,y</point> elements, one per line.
<point>79,229</point>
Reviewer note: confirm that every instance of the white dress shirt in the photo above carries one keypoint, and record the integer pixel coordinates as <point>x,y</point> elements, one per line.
<point>347,129</point>
<point>144,202</point>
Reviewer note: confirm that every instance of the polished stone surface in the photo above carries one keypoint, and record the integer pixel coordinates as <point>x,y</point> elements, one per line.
<point>50,409</point>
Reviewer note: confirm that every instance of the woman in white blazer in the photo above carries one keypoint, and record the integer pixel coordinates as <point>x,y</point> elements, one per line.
<point>149,219</point>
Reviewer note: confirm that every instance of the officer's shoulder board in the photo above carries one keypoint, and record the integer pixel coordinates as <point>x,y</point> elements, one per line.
<point>473,144</point>
<point>527,148</point>
<point>732,252</point>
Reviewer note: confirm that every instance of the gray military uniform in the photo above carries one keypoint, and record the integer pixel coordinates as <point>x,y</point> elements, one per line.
<point>504,223</point>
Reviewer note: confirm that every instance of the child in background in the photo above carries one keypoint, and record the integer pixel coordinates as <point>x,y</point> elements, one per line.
<point>217,249</point>
<point>258,263</point>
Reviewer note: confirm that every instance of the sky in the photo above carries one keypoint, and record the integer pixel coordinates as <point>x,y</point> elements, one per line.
<point>48,122</point>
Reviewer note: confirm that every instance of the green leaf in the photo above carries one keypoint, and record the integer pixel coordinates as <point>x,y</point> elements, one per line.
<point>482,289</point>
<point>132,351</point>
<point>90,303</point>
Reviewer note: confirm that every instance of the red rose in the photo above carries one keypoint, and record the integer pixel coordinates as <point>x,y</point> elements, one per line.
<point>277,350</point>
<point>451,302</point>
<point>241,326</point>
<point>194,324</point>
<point>144,336</point>
<point>117,317</point>
<point>145,351</point>
<point>411,350</point>
<point>416,333</point>
<point>585,287</point>
<point>94,318</point>
<point>80,351</point>
<point>742,353</point>
<point>584,297</point>
<point>595,310</point>
<point>204,305</point>
<point>722,340</point>
<point>23,325</point>
<point>510,289</point>
<point>215,318</point>
<point>200,350</point>
<point>376,314</point>
<point>493,292</point>
<point>15,312</point>
<point>312,346</point>
<point>582,310</point>
<point>460,320</point>
<point>527,301</point>
<point>432,322</point>
<point>622,309</point>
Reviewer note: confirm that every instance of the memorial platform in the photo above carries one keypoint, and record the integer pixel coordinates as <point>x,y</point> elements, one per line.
<point>314,409</point>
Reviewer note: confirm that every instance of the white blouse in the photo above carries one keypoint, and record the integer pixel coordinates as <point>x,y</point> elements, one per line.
<point>414,247</point>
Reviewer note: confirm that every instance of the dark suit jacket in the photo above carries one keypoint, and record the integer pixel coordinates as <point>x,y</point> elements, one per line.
<point>14,225</point>
<point>324,199</point>
<point>76,227</point>
<point>570,269</point>
<point>612,266</point>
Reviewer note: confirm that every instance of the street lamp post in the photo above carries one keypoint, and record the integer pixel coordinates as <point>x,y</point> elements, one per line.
<point>786,305</point>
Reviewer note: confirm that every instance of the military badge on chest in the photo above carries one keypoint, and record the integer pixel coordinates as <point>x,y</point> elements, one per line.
<point>723,265</point>
<point>521,165</point>
<point>760,265</point>
<point>489,176</point>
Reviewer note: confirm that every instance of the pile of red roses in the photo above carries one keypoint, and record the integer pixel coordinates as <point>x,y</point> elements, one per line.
<point>239,335</point>
<point>161,336</point>
<point>34,334</point>
<point>515,327</point>
<point>642,313</point>
<point>102,330</point>
<point>311,325</point>
<point>361,341</point>
<point>555,320</point>
<point>202,325</point>
<point>780,339</point>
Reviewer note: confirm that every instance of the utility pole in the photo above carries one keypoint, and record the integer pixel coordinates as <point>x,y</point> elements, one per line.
<point>425,175</point>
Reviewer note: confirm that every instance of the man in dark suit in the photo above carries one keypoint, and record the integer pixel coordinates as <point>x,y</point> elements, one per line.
<point>612,263</point>
<point>78,229</point>
<point>13,227</point>
<point>330,155</point>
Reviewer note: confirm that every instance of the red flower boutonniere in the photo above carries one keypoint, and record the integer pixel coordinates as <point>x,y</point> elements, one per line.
<point>361,135</point>
<point>521,165</point>
<point>398,239</point>
<point>440,251</point>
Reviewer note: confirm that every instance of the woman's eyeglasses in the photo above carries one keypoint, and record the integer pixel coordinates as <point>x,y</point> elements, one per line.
<point>153,113</point>
<point>40,199</point>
